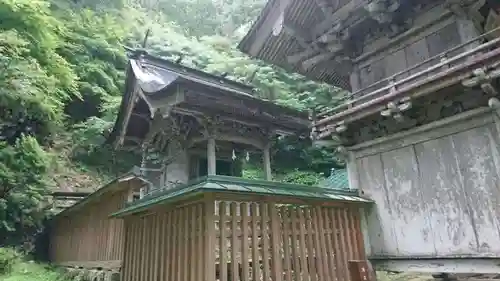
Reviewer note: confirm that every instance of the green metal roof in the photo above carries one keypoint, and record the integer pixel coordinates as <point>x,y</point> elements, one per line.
<point>240,185</point>
<point>337,180</point>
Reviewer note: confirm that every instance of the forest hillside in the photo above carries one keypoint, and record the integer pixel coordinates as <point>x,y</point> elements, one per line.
<point>62,66</point>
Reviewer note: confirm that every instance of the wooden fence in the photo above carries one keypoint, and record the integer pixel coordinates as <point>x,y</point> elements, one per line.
<point>240,241</point>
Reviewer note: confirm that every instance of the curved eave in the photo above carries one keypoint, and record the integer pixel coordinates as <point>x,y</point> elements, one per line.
<point>260,43</point>
<point>135,112</point>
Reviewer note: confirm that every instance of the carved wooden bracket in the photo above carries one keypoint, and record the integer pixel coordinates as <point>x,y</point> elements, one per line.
<point>396,109</point>
<point>382,10</point>
<point>342,153</point>
<point>468,9</point>
<point>494,104</point>
<point>483,78</point>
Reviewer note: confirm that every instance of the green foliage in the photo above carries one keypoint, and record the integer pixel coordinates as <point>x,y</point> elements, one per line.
<point>302,177</point>
<point>8,257</point>
<point>62,69</point>
<point>21,268</point>
<point>23,169</point>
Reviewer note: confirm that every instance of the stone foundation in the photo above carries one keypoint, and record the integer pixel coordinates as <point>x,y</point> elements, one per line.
<point>86,274</point>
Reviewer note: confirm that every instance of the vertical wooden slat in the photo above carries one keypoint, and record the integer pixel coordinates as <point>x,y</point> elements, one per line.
<point>142,256</point>
<point>316,245</point>
<point>296,246</point>
<point>276,240</point>
<point>192,242</point>
<point>310,245</point>
<point>162,246</point>
<point>209,240</point>
<point>146,265</point>
<point>244,245</point>
<point>264,211</point>
<point>178,243</point>
<point>330,247</point>
<point>348,235</point>
<point>342,242</point>
<point>322,258</point>
<point>359,231</point>
<point>222,241</point>
<point>201,234</point>
<point>234,242</point>
<point>287,254</point>
<point>185,241</point>
<point>157,246</point>
<point>303,249</point>
<point>174,257</point>
<point>255,244</point>
<point>128,249</point>
<point>169,274</point>
<point>137,247</point>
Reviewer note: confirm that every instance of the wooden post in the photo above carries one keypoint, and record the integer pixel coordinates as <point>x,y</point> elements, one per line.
<point>211,158</point>
<point>267,161</point>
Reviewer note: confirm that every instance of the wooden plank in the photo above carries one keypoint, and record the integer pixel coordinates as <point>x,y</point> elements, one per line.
<point>383,239</point>
<point>477,161</point>
<point>170,246</point>
<point>288,255</point>
<point>303,254</point>
<point>193,255</point>
<point>255,244</point>
<point>394,63</point>
<point>443,194</point>
<point>351,234</point>
<point>276,243</point>
<point>443,40</point>
<point>185,243</point>
<point>264,215</point>
<point>234,242</point>
<point>342,254</point>
<point>163,246</point>
<point>223,241</point>
<point>209,240</point>
<point>415,54</point>
<point>330,245</point>
<point>175,246</point>
<point>403,195</point>
<point>359,233</point>
<point>312,246</point>
<point>201,234</point>
<point>296,245</point>
<point>244,238</point>
<point>323,250</point>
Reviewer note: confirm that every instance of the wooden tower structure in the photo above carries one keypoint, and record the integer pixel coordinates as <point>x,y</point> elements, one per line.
<point>420,127</point>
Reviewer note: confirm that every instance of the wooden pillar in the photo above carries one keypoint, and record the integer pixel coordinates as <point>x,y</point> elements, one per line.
<point>211,158</point>
<point>267,162</point>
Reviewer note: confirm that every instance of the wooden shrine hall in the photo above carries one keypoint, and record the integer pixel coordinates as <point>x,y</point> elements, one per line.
<point>419,124</point>
<point>184,213</point>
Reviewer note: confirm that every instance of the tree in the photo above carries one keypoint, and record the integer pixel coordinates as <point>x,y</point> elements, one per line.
<point>23,185</point>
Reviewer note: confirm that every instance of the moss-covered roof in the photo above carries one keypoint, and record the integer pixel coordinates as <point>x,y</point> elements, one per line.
<point>338,180</point>
<point>225,184</point>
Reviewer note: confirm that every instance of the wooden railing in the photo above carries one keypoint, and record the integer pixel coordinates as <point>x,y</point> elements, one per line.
<point>440,62</point>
